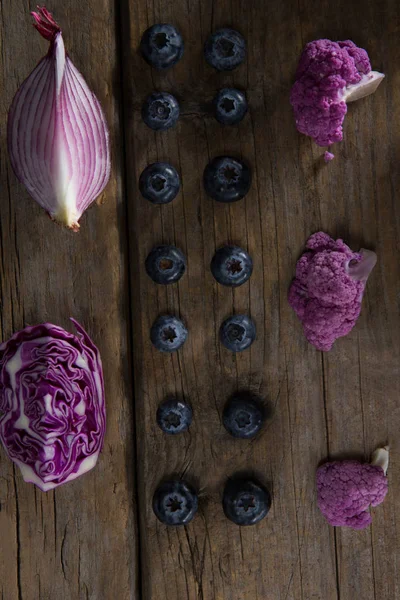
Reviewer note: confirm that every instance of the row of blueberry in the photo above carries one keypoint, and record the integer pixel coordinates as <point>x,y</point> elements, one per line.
<point>245,501</point>
<point>162,47</point>
<point>242,417</point>
<point>226,179</point>
<point>231,266</point>
<point>161,110</point>
<point>175,502</point>
<point>237,333</point>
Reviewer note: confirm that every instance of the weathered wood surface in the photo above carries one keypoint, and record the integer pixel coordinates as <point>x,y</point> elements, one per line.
<point>81,541</point>
<point>345,401</point>
<point>78,542</point>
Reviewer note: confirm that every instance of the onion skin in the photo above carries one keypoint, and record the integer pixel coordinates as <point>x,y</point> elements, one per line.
<point>58,139</point>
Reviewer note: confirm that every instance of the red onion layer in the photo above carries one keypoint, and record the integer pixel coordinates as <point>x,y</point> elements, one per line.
<point>58,138</point>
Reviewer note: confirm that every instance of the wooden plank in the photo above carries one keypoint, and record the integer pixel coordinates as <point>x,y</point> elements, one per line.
<point>292,553</point>
<point>362,372</point>
<point>79,541</point>
<point>342,402</point>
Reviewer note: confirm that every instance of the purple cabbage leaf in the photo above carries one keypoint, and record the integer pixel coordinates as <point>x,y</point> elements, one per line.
<point>52,405</point>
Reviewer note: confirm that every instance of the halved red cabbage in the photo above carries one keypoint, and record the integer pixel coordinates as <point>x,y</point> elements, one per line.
<point>52,406</point>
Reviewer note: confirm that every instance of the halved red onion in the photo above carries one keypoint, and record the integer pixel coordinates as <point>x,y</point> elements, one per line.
<point>58,138</point>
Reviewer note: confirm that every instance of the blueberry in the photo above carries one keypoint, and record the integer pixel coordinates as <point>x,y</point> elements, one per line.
<point>162,46</point>
<point>159,183</point>
<point>231,266</point>
<point>168,333</point>
<point>165,264</point>
<point>245,502</point>
<point>227,179</point>
<point>230,106</point>
<point>174,416</point>
<point>243,416</point>
<point>160,111</point>
<point>238,333</point>
<point>225,49</point>
<point>175,503</point>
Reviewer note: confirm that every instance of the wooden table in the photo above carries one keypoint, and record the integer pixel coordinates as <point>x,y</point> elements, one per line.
<point>97,538</point>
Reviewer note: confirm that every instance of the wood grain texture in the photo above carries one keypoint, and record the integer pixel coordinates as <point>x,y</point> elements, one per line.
<point>78,542</point>
<point>323,405</point>
<point>81,540</point>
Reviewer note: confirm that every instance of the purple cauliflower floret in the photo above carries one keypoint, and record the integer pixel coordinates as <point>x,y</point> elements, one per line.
<point>327,290</point>
<point>346,490</point>
<point>328,156</point>
<point>329,75</point>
